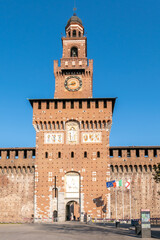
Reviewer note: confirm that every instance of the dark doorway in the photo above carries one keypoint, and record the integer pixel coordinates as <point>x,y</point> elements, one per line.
<point>72,211</point>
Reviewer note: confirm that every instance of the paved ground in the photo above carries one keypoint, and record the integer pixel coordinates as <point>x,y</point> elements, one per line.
<point>66,231</point>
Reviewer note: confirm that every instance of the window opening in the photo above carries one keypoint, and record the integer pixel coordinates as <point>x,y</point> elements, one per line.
<point>74,33</point>
<point>74,52</point>
<point>85,154</point>
<point>98,154</point>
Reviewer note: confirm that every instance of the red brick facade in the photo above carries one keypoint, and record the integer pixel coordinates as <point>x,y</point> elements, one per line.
<point>73,158</point>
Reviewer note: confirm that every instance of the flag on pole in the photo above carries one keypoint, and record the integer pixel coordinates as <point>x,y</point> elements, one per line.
<point>119,183</point>
<point>110,184</point>
<point>127,185</point>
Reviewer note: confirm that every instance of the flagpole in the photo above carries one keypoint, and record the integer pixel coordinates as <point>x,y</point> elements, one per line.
<point>123,198</point>
<point>130,202</point>
<point>116,200</point>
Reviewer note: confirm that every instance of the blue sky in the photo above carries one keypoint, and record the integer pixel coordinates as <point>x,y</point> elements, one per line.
<point>124,42</point>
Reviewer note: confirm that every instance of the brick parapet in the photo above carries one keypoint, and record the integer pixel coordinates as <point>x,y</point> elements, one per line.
<point>17,157</point>
<point>140,155</point>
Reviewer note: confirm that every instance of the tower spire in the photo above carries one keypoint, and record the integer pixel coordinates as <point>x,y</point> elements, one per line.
<point>74,9</point>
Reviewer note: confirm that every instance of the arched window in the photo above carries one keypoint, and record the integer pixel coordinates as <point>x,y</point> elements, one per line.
<point>79,34</point>
<point>46,154</point>
<point>74,33</point>
<point>69,34</point>
<point>85,154</point>
<point>74,52</point>
<point>72,154</point>
<point>59,154</point>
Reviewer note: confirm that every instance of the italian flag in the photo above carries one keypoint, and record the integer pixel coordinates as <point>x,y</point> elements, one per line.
<point>117,184</point>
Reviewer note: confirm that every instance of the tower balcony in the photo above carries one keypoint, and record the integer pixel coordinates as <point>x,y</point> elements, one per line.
<point>73,63</point>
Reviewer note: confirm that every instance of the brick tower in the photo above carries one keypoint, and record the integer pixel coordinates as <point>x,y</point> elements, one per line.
<point>72,139</point>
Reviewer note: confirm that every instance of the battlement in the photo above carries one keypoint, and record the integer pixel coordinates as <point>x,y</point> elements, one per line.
<point>84,103</point>
<point>12,157</point>
<point>134,158</point>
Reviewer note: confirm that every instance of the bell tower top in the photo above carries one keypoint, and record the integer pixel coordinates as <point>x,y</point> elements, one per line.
<point>74,27</point>
<point>74,75</point>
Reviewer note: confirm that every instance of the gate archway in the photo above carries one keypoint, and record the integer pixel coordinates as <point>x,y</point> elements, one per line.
<point>72,211</point>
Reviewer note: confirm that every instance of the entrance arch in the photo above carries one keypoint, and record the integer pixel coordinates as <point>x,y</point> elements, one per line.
<point>72,211</point>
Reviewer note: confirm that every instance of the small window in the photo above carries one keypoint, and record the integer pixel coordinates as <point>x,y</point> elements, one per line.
<point>72,154</point>
<point>74,33</point>
<point>46,154</point>
<point>88,104</point>
<point>79,34</point>
<point>74,52</point>
<point>85,154</point>
<point>69,34</point>
<point>59,154</point>
<point>98,154</point>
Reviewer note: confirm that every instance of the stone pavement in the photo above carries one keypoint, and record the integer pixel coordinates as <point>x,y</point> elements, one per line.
<point>66,231</point>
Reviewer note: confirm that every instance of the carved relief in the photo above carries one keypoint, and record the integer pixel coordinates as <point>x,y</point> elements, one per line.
<point>72,132</point>
<point>92,137</point>
<point>53,138</point>
<point>72,185</point>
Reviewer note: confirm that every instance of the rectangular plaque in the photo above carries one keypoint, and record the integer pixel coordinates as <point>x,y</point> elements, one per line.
<point>92,137</point>
<point>53,138</point>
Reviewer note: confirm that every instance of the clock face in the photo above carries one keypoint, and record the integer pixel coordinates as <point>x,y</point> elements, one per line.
<point>73,83</point>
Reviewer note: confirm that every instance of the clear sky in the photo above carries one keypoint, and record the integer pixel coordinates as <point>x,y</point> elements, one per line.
<point>124,41</point>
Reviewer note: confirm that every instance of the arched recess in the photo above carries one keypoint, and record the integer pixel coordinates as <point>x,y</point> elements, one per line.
<point>72,186</point>
<point>74,52</point>
<point>72,132</point>
<point>72,195</point>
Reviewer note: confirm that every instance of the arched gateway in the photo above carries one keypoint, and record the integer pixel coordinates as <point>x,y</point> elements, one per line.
<point>72,196</point>
<point>72,211</point>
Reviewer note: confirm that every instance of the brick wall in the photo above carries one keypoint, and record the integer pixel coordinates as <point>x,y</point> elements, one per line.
<point>135,164</point>
<point>16,185</point>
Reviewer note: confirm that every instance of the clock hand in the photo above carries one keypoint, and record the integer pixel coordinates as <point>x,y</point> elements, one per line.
<point>71,84</point>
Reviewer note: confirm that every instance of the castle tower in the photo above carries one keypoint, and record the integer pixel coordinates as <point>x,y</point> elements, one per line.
<point>72,139</point>
<point>73,79</point>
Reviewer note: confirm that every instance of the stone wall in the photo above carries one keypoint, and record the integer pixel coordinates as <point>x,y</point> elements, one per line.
<point>136,165</point>
<point>16,185</point>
